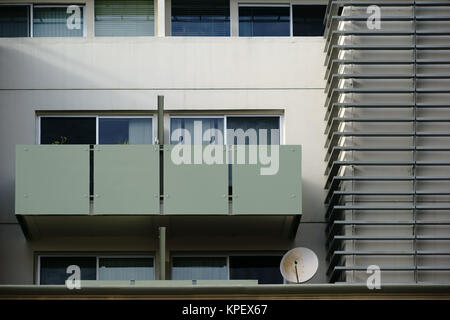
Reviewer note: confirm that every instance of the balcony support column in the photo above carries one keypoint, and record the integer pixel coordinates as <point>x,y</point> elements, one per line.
<point>162,253</point>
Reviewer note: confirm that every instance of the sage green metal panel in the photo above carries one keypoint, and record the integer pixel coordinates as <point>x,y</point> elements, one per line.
<point>195,188</point>
<point>52,179</point>
<point>280,193</point>
<point>126,179</point>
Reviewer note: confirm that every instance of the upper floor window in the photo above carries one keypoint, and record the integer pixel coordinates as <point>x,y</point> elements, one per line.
<point>96,130</point>
<point>308,20</point>
<point>53,20</point>
<point>200,17</point>
<point>15,21</point>
<point>124,18</point>
<point>264,20</point>
<point>211,130</point>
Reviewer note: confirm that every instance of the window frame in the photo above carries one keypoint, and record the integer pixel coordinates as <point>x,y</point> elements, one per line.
<point>31,6</point>
<point>97,122</point>
<point>226,255</point>
<point>225,120</point>
<point>59,5</point>
<point>97,259</point>
<point>290,3</point>
<point>170,23</point>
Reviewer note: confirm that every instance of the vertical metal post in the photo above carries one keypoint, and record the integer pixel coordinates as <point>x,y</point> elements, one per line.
<point>162,253</point>
<point>161,144</point>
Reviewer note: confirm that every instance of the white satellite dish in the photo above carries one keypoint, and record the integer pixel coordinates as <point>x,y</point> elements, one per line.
<point>299,265</point>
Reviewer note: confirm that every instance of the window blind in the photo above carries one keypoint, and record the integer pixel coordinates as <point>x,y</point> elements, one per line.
<point>52,22</point>
<point>124,18</point>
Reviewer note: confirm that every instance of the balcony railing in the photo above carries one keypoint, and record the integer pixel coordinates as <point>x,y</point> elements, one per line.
<point>125,180</point>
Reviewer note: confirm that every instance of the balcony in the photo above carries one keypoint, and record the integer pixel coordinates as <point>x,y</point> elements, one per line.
<point>117,189</point>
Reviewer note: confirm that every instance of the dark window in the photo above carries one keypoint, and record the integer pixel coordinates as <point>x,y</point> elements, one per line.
<point>265,269</point>
<point>308,20</point>
<point>54,269</point>
<point>14,21</point>
<point>200,18</point>
<point>68,130</point>
<point>264,21</point>
<point>270,124</point>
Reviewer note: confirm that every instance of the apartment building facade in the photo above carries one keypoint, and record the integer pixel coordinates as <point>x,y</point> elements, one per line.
<point>93,92</point>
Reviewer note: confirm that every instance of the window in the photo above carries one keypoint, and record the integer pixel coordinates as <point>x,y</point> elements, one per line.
<point>308,20</point>
<point>53,269</point>
<point>266,129</point>
<point>199,268</point>
<point>124,18</point>
<point>68,130</point>
<point>125,131</point>
<point>63,20</point>
<point>126,269</point>
<point>14,21</point>
<point>211,130</point>
<point>54,21</point>
<point>200,17</point>
<point>265,269</point>
<point>83,130</point>
<point>264,20</point>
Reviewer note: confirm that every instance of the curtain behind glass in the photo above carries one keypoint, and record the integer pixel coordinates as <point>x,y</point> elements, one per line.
<point>14,21</point>
<point>124,18</point>
<point>215,136</point>
<point>140,131</point>
<point>199,268</point>
<point>52,22</point>
<point>126,269</point>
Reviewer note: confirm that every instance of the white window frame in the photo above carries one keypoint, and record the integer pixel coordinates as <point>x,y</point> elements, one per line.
<point>97,122</point>
<point>89,255</point>
<point>225,120</point>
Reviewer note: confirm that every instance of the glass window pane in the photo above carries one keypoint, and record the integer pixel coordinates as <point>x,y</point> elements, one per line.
<point>308,20</point>
<point>14,21</point>
<point>265,269</point>
<point>253,130</point>
<point>126,269</point>
<point>124,18</point>
<point>196,130</point>
<point>125,131</point>
<point>264,21</point>
<point>200,18</point>
<point>68,130</point>
<point>55,22</point>
<point>53,270</point>
<point>199,268</point>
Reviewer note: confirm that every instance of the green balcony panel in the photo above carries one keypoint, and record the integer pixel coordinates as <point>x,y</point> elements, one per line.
<point>195,188</point>
<point>275,191</point>
<point>126,179</point>
<point>52,179</point>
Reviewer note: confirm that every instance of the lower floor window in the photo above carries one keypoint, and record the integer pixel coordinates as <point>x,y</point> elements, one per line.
<point>265,269</point>
<point>53,270</point>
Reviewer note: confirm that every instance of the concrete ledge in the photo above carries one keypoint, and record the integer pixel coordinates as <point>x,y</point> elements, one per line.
<point>249,292</point>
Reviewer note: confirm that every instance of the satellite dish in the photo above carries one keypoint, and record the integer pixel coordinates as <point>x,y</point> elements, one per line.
<point>299,265</point>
